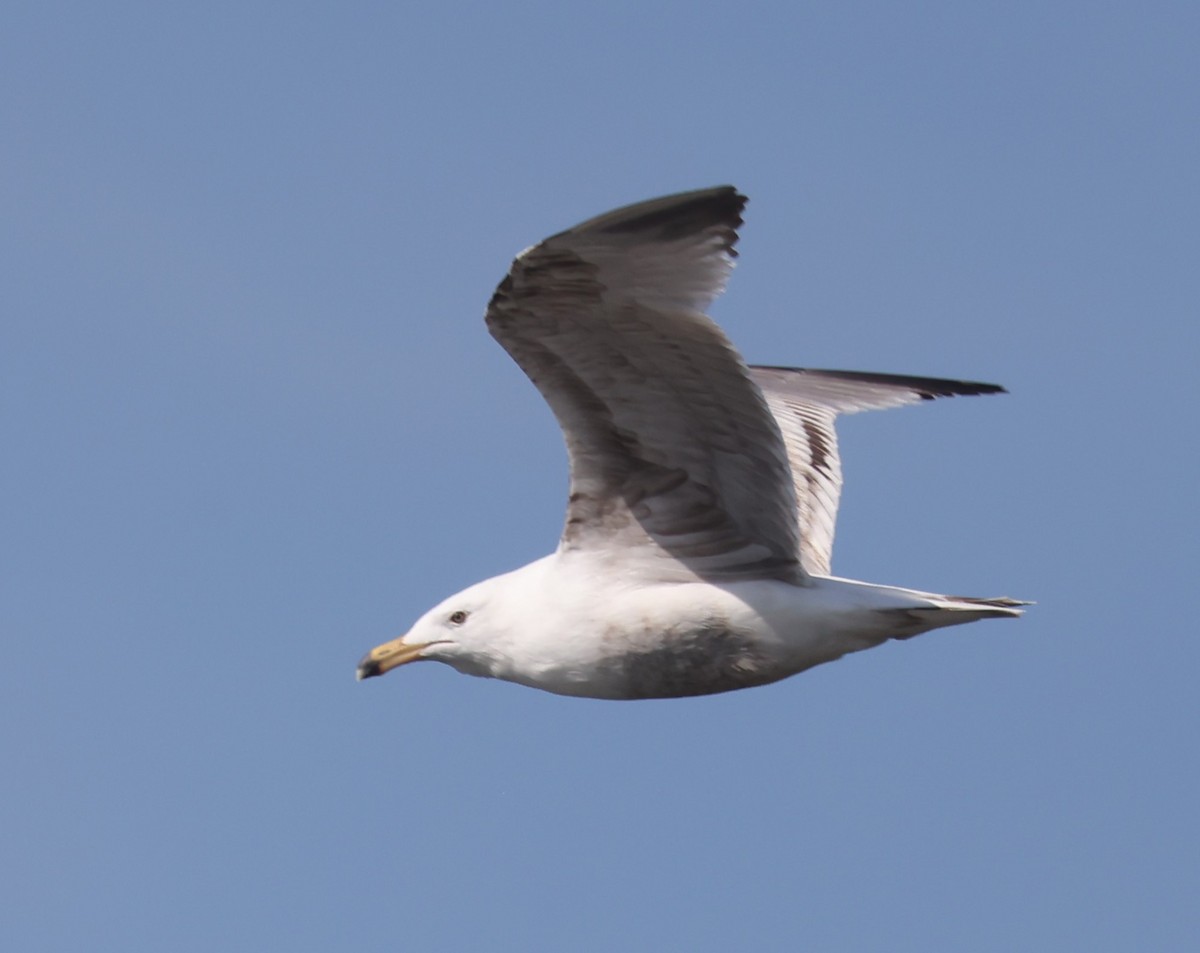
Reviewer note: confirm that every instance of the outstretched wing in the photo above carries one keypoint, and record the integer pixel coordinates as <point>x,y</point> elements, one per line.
<point>678,468</point>
<point>805,403</point>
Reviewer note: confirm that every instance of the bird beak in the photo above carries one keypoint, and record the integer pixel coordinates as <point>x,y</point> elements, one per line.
<point>383,658</point>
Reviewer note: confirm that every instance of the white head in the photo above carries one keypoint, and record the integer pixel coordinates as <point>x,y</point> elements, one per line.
<point>469,631</point>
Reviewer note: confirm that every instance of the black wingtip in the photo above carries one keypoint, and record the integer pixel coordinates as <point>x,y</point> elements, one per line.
<point>927,388</point>
<point>676,216</point>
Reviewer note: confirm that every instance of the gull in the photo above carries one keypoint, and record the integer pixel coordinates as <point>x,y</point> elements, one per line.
<point>695,557</point>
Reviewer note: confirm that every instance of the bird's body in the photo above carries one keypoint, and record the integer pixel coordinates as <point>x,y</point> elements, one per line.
<point>567,624</point>
<point>696,552</point>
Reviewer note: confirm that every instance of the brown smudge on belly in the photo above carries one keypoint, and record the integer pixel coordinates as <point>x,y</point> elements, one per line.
<point>697,660</point>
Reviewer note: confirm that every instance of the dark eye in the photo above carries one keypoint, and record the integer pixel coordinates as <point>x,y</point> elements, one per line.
<point>458,618</point>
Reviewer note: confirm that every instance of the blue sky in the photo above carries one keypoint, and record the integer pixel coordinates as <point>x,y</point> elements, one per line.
<point>254,425</point>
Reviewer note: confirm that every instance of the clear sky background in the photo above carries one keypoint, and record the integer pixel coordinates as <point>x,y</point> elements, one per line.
<point>253,425</point>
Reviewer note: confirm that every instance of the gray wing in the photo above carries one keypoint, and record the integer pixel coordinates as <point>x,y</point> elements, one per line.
<point>678,468</point>
<point>805,403</point>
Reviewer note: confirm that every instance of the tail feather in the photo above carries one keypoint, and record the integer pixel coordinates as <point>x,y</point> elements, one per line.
<point>995,602</point>
<point>951,610</point>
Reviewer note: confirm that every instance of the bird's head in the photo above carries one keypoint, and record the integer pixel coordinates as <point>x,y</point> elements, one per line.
<point>465,631</point>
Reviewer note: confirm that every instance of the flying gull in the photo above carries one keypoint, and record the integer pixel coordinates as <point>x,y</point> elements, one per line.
<point>703,492</point>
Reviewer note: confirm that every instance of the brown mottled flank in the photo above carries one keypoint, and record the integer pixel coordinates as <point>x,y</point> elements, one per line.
<point>695,661</point>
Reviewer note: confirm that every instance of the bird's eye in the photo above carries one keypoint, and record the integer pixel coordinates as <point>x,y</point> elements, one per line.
<point>458,617</point>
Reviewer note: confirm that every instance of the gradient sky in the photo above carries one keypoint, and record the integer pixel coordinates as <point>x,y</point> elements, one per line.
<point>253,425</point>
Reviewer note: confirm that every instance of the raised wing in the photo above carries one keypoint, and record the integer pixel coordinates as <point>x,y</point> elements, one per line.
<point>677,466</point>
<point>805,403</point>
